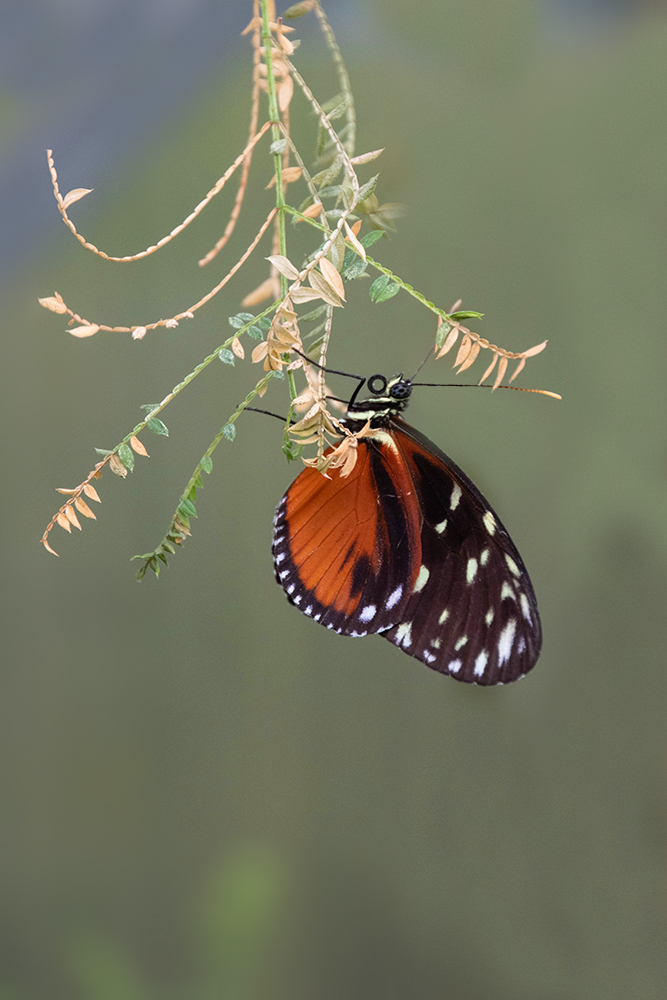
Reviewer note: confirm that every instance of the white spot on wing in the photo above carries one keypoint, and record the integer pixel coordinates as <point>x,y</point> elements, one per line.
<point>484,558</point>
<point>421,580</point>
<point>520,648</point>
<point>455,497</point>
<point>505,641</point>
<point>291,588</point>
<point>279,558</point>
<point>513,566</point>
<point>480,664</point>
<point>460,643</point>
<point>507,592</point>
<point>489,522</point>
<point>368,613</point>
<point>298,599</point>
<point>404,634</point>
<point>471,570</point>
<point>308,610</point>
<point>436,643</point>
<point>395,596</point>
<point>454,666</point>
<point>489,616</point>
<point>441,527</point>
<point>429,657</point>
<point>443,617</point>
<point>525,607</point>
<point>283,574</point>
<point>317,616</point>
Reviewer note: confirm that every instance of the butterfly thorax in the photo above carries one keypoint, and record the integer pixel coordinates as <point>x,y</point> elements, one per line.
<point>379,408</point>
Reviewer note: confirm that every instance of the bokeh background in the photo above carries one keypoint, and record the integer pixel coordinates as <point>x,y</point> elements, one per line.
<point>204,795</point>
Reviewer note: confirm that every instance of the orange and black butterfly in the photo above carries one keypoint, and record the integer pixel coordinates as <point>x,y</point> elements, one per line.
<point>407,547</point>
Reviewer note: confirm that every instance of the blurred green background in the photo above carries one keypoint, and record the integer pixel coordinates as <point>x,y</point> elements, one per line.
<point>204,795</point>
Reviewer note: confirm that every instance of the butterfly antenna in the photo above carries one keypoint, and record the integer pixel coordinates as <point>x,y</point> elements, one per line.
<point>485,385</point>
<point>430,352</point>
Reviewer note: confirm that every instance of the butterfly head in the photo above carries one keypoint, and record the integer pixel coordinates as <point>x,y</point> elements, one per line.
<point>388,398</point>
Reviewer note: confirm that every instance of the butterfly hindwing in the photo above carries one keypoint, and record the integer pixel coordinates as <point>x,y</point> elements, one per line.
<point>473,612</point>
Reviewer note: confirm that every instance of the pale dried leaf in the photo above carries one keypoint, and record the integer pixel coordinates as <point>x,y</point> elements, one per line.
<point>289,175</point>
<point>138,333</point>
<point>366,157</point>
<point>312,211</point>
<point>48,547</point>
<point>455,306</point>
<point>63,522</point>
<point>532,351</point>
<point>452,337</point>
<point>267,290</point>
<point>500,374</point>
<point>54,303</point>
<point>322,286</point>
<point>237,348</point>
<point>304,295</point>
<point>464,349</point>
<point>91,492</point>
<point>285,92</point>
<point>359,247</point>
<point>260,352</point>
<point>470,359</point>
<point>333,277</point>
<point>75,195</point>
<point>137,446</point>
<point>117,466</point>
<point>83,508</point>
<point>71,517</point>
<point>171,324</point>
<point>262,392</point>
<point>285,266</point>
<point>518,368</point>
<point>489,369</point>
<point>61,489</point>
<point>84,331</point>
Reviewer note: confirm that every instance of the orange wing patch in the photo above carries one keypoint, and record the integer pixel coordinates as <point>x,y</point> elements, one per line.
<point>333,528</point>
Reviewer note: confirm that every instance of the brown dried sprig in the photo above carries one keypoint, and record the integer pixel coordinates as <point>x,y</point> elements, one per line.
<point>447,334</point>
<point>66,516</point>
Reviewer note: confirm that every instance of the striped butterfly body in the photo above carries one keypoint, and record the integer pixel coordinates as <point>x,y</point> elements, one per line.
<point>407,547</point>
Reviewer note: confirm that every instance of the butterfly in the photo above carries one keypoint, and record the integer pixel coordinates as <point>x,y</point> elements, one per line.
<point>405,546</point>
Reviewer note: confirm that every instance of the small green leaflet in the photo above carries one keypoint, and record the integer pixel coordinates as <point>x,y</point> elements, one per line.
<point>255,333</point>
<point>370,238</point>
<point>207,464</point>
<point>188,508</point>
<point>278,146</point>
<point>241,319</point>
<point>383,289</point>
<point>126,455</point>
<point>466,314</point>
<point>226,356</point>
<point>156,425</point>
<point>229,430</point>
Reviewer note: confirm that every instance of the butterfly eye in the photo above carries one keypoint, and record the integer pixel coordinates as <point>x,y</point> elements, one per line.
<point>400,390</point>
<point>377,384</point>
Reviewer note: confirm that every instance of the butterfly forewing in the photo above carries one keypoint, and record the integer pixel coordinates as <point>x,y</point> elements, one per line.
<point>473,612</point>
<point>342,556</point>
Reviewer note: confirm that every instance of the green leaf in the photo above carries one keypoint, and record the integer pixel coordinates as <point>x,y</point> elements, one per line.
<point>102,451</point>
<point>366,190</point>
<point>188,508</point>
<point>441,335</point>
<point>370,238</point>
<point>378,287</point>
<point>141,573</point>
<point>389,292</point>
<point>168,547</point>
<point>278,145</point>
<point>276,374</point>
<point>314,314</point>
<point>226,356</point>
<point>264,322</point>
<point>156,425</point>
<point>255,333</point>
<point>241,319</point>
<point>149,407</point>
<point>126,455</point>
<point>466,314</point>
<point>229,430</point>
<point>207,464</point>
<point>356,269</point>
<point>298,9</point>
